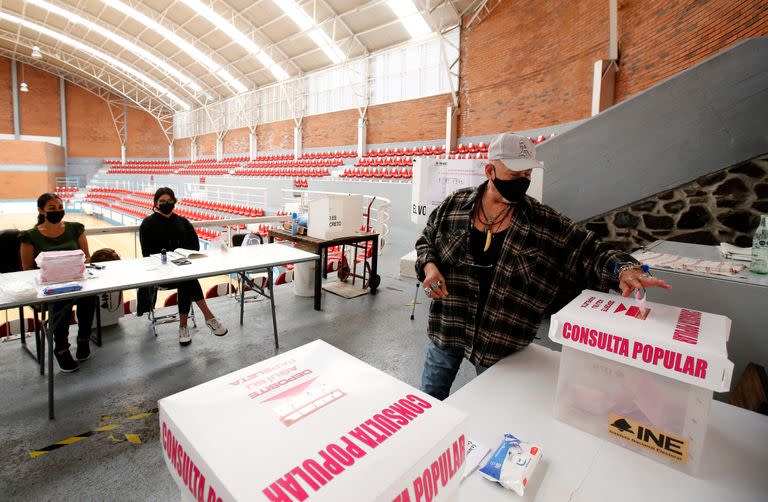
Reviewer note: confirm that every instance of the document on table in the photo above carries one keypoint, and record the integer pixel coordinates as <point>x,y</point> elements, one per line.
<point>675,262</point>
<point>731,252</point>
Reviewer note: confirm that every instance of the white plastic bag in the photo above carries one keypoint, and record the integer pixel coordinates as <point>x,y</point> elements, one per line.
<point>512,464</point>
<point>18,290</point>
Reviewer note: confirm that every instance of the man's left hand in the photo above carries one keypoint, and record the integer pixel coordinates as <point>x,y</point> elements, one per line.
<point>637,279</point>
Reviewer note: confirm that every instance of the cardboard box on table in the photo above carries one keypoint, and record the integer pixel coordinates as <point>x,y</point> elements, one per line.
<point>643,380</point>
<point>313,423</point>
<point>334,216</point>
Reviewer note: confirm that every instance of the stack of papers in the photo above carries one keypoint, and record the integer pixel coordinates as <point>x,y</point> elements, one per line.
<point>731,252</point>
<point>675,262</point>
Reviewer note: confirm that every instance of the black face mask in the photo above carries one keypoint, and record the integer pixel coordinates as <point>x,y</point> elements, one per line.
<point>54,216</point>
<point>512,190</point>
<point>166,207</point>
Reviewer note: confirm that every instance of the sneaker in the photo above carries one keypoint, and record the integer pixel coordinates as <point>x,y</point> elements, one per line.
<point>184,337</point>
<point>66,363</point>
<point>83,352</point>
<point>217,328</point>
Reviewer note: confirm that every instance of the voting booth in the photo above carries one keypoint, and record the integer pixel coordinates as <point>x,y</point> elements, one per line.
<point>434,179</point>
<point>334,216</point>
<point>642,379</point>
<point>313,423</point>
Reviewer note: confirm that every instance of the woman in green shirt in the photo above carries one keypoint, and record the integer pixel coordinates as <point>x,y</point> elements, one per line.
<point>53,234</point>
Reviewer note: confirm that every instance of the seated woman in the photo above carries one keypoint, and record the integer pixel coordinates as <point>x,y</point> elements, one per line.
<point>164,229</point>
<point>53,234</point>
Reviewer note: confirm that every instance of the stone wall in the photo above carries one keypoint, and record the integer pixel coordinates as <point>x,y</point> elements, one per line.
<point>724,206</point>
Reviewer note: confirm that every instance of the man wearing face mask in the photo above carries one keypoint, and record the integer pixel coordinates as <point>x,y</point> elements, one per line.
<point>495,262</point>
<point>165,229</point>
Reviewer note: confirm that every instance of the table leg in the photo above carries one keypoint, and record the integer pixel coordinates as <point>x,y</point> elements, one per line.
<point>48,332</point>
<point>318,283</point>
<point>271,287</point>
<point>43,340</point>
<point>97,341</point>
<point>323,252</point>
<point>23,335</point>
<point>242,296</point>
<point>374,265</point>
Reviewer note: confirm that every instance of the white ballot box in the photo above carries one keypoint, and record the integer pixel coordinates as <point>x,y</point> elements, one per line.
<point>643,380</point>
<point>313,423</point>
<point>335,216</point>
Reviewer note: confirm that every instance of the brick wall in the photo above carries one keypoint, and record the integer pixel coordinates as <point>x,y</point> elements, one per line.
<point>145,136</point>
<point>415,120</point>
<point>43,162</point>
<point>236,141</point>
<point>6,97</point>
<point>330,129</point>
<point>90,131</point>
<point>659,38</point>
<point>206,145</point>
<point>276,135</point>
<point>40,108</point>
<point>181,148</point>
<point>530,65</point>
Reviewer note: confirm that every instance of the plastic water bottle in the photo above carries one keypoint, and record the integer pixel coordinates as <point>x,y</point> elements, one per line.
<point>294,224</point>
<point>163,257</point>
<point>760,248</point>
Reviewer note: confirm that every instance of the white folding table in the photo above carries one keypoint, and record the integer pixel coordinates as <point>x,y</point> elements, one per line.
<point>140,272</point>
<point>517,396</point>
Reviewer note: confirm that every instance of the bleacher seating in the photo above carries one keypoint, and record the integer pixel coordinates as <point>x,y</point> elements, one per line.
<point>139,204</point>
<point>391,174</point>
<point>314,172</point>
<point>66,193</point>
<point>329,155</point>
<point>384,164</point>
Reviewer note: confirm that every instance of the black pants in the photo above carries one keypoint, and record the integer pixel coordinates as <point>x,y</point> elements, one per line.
<point>62,314</point>
<point>188,291</point>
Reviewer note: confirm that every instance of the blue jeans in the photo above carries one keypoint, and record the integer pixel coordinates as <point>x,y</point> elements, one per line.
<point>440,368</point>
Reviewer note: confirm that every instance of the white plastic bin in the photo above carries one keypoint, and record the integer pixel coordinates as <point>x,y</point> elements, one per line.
<point>653,415</point>
<point>642,380</point>
<point>304,278</point>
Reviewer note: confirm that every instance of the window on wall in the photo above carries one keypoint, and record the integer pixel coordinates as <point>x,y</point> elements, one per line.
<point>407,72</point>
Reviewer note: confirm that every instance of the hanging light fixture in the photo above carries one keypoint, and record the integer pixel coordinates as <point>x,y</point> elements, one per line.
<point>36,52</point>
<point>23,87</point>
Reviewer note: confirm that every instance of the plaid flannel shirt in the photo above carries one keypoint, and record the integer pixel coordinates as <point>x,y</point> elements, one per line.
<point>546,260</point>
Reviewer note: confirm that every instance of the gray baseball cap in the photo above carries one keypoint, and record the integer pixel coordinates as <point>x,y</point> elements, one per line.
<point>514,151</point>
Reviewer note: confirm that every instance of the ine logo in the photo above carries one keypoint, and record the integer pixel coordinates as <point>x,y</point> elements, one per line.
<point>623,426</point>
<point>650,438</point>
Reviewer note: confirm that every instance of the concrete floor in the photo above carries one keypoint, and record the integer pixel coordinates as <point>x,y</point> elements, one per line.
<point>133,369</point>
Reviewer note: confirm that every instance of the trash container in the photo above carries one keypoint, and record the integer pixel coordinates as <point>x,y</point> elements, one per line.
<point>304,278</point>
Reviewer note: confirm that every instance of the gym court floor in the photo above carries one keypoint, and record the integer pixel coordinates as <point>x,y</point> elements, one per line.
<point>107,410</point>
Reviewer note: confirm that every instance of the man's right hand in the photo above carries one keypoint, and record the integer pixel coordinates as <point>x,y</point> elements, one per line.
<point>434,277</point>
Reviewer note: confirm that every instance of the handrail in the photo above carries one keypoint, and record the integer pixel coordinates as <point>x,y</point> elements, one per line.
<point>196,224</point>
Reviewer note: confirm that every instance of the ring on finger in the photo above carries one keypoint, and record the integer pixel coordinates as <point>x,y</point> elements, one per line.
<point>427,291</point>
<point>435,285</point>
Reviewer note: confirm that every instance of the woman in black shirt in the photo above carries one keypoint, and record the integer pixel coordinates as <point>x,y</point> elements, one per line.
<point>165,230</point>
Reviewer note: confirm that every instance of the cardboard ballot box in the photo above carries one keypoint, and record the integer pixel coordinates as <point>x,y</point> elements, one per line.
<point>643,380</point>
<point>311,424</point>
<point>335,216</point>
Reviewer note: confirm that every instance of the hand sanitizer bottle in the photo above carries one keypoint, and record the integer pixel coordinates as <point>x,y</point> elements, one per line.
<point>760,248</point>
